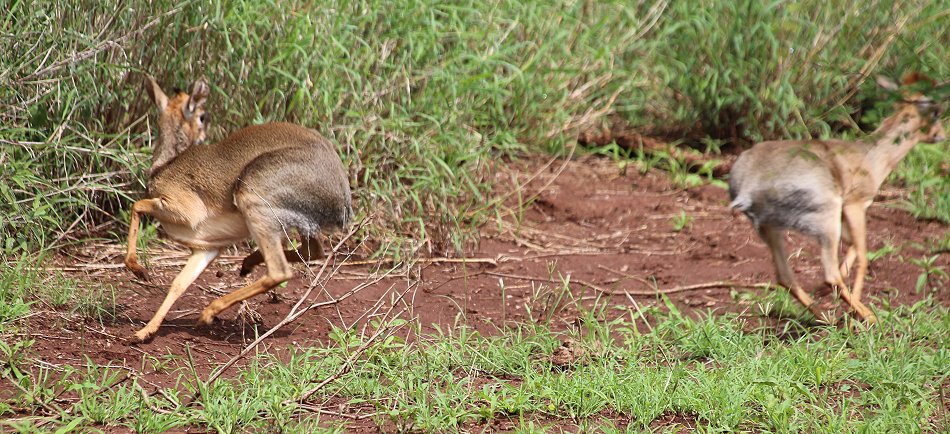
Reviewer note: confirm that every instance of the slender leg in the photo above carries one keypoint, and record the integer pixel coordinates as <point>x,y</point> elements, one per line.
<point>773,238</point>
<point>309,249</point>
<point>829,242</point>
<point>278,271</point>
<point>851,254</point>
<point>829,262</point>
<point>197,262</point>
<point>857,224</point>
<point>145,206</point>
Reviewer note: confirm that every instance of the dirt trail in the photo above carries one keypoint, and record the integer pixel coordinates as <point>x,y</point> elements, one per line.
<point>609,233</point>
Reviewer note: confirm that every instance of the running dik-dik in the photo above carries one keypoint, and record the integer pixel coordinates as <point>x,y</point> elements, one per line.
<point>823,188</point>
<point>260,182</point>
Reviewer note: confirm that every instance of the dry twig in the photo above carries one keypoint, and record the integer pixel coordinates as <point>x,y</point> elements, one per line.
<point>296,312</point>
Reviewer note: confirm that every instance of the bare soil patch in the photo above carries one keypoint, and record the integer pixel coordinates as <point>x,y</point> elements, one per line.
<point>606,231</point>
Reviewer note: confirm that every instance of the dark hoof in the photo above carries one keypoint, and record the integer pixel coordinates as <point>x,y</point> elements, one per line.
<point>206,319</point>
<point>138,270</point>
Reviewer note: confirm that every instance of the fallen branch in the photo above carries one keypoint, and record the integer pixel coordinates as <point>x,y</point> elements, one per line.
<point>52,408</point>
<point>296,312</point>
<point>542,279</point>
<point>675,289</point>
<point>316,409</point>
<point>347,365</point>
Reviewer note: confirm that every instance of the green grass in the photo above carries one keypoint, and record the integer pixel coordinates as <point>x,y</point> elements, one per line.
<point>26,285</point>
<point>926,173</point>
<point>722,372</point>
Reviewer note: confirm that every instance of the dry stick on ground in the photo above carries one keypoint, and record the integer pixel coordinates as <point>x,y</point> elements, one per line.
<point>291,317</point>
<point>542,279</point>
<point>577,243</point>
<point>234,259</point>
<point>438,260</point>
<point>316,409</point>
<point>716,284</point>
<point>348,364</point>
<point>51,407</point>
<point>294,312</point>
<point>640,311</point>
<point>706,285</point>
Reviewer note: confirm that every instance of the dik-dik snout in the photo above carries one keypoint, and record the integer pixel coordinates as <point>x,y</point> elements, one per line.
<point>823,188</point>
<point>260,182</point>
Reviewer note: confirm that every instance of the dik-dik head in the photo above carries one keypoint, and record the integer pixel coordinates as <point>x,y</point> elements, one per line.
<point>915,106</point>
<point>181,121</point>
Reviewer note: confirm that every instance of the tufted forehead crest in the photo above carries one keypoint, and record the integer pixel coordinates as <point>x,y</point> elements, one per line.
<point>914,77</point>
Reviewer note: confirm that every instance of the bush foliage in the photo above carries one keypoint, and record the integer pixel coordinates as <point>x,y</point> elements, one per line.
<point>424,97</point>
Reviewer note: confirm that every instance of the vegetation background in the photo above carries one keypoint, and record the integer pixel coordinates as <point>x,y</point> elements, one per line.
<point>423,99</point>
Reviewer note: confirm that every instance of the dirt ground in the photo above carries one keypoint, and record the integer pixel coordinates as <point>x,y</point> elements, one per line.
<point>609,232</point>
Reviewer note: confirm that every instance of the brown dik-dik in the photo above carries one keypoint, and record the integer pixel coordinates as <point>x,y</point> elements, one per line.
<point>260,182</point>
<point>823,188</point>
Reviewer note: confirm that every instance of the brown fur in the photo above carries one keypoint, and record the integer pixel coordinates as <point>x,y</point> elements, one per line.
<point>260,182</point>
<point>823,188</point>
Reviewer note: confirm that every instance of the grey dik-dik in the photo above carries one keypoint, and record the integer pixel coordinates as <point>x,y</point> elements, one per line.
<point>823,188</point>
<point>261,182</point>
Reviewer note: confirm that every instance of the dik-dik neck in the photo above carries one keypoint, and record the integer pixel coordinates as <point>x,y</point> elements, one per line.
<point>171,143</point>
<point>891,142</point>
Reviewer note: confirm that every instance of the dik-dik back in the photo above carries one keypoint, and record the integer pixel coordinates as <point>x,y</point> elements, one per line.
<point>261,182</point>
<point>291,170</point>
<point>824,187</point>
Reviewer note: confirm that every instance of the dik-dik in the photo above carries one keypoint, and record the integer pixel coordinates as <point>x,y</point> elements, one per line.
<point>823,188</point>
<point>260,182</point>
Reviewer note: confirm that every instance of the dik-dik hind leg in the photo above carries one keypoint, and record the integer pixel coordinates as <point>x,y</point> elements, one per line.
<point>773,238</point>
<point>856,217</point>
<point>278,270</point>
<point>197,262</point>
<point>145,206</point>
<point>309,249</point>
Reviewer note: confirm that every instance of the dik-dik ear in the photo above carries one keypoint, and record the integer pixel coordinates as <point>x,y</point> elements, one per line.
<point>199,94</point>
<point>886,83</point>
<point>155,93</point>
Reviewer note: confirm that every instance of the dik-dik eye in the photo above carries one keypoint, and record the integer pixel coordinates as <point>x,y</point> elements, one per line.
<point>203,118</point>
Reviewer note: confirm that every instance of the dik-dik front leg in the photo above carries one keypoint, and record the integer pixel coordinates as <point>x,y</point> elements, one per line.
<point>144,206</point>
<point>197,262</point>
